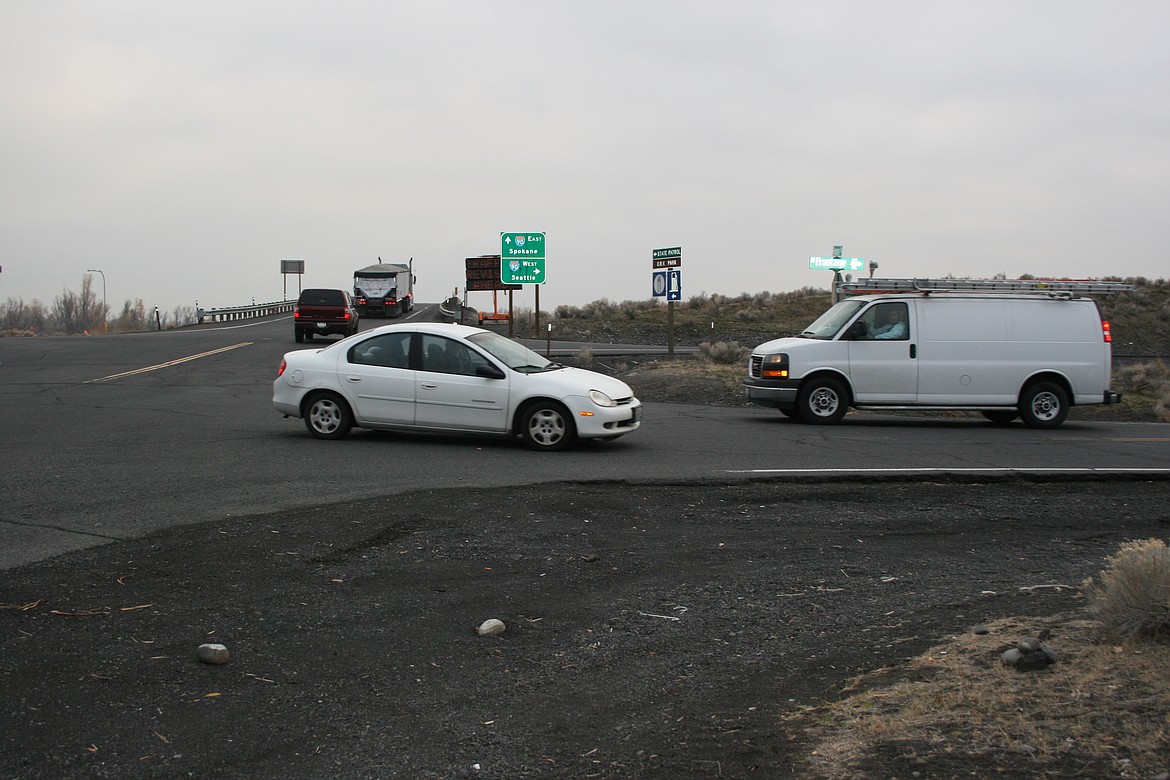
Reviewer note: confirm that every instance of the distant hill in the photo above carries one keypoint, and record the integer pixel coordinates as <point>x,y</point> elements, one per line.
<point>1140,319</point>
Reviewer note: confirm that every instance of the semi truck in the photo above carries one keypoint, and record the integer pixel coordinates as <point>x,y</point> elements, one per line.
<point>384,289</point>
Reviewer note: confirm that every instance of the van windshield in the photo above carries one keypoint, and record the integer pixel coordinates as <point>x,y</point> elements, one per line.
<point>829,324</point>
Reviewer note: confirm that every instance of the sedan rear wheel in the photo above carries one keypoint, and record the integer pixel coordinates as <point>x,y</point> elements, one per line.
<point>327,416</point>
<point>546,426</point>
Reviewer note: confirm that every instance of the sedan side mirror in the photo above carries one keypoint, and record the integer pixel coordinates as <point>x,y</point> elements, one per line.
<point>488,371</point>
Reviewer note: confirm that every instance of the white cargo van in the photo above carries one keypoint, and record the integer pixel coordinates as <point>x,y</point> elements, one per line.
<point>1002,348</point>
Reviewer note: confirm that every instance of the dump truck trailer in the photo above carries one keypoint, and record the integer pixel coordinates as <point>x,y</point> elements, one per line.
<point>384,289</point>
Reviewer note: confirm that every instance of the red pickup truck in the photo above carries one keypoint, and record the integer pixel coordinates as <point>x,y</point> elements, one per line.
<point>322,313</point>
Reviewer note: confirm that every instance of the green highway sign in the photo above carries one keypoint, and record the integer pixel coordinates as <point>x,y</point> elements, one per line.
<point>837,263</point>
<point>522,258</point>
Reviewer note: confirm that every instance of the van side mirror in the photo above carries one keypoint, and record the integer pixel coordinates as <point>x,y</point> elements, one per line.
<point>857,331</point>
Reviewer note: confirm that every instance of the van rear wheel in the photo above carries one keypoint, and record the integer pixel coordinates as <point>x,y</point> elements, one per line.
<point>1043,405</point>
<point>822,401</point>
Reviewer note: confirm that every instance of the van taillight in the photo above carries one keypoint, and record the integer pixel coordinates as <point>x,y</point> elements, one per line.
<point>1106,332</point>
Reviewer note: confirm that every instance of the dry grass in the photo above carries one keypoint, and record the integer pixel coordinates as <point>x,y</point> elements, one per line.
<point>1103,709</point>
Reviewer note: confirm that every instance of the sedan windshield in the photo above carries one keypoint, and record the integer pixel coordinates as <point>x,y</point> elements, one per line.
<point>514,355</point>
<point>830,323</point>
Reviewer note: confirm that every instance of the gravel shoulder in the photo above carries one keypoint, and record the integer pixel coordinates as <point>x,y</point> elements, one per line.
<point>652,631</point>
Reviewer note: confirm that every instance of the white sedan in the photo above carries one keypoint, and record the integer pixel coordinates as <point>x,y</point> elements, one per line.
<point>442,377</point>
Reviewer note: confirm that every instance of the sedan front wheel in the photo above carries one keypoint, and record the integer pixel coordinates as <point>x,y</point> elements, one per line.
<point>547,426</point>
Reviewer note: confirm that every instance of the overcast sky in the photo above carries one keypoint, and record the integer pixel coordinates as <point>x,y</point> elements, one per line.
<point>185,148</point>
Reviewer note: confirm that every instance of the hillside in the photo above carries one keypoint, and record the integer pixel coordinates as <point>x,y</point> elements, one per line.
<point>1140,319</point>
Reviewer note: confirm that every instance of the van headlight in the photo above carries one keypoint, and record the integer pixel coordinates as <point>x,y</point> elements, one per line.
<point>600,398</point>
<point>775,367</point>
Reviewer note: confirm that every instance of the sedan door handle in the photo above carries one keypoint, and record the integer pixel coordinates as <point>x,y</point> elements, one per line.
<point>429,386</point>
<point>354,379</point>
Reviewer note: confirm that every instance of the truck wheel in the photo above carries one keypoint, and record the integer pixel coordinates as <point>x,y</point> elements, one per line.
<point>821,401</point>
<point>546,426</point>
<point>1043,405</point>
<point>300,337</point>
<point>327,416</point>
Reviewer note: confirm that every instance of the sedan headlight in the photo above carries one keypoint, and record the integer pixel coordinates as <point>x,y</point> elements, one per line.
<point>600,398</point>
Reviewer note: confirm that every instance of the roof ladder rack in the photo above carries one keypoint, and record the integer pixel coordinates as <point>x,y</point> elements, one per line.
<point>1083,286</point>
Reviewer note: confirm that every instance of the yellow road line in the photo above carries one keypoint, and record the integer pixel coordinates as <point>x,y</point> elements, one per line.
<point>168,363</point>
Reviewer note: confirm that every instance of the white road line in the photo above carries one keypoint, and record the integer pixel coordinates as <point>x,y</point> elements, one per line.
<point>934,470</point>
<point>168,363</point>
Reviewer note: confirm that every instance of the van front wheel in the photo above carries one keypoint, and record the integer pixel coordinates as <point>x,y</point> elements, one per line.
<point>821,401</point>
<point>1043,405</point>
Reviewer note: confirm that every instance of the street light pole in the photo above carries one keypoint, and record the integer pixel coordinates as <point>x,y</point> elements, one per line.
<point>105,308</point>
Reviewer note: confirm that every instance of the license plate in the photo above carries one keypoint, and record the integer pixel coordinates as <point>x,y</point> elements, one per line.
<point>321,325</point>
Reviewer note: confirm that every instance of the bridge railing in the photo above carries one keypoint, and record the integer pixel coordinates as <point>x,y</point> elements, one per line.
<point>231,313</point>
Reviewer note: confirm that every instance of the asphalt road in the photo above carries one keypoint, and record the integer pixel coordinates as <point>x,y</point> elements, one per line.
<point>112,437</point>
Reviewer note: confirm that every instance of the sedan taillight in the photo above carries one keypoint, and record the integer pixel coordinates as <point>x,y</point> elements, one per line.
<point>280,371</point>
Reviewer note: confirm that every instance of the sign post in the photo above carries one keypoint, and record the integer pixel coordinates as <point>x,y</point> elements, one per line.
<point>286,267</point>
<point>666,281</point>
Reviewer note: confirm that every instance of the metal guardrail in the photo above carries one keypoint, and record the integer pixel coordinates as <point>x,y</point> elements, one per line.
<point>232,313</point>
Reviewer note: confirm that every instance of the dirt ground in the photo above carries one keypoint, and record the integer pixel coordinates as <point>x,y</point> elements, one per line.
<point>651,631</point>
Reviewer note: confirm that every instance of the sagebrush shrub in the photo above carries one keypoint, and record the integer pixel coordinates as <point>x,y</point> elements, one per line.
<point>1162,408</point>
<point>1132,596</point>
<point>723,352</point>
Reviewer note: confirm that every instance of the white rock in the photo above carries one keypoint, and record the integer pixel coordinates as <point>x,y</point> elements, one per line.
<point>213,654</point>
<point>491,627</point>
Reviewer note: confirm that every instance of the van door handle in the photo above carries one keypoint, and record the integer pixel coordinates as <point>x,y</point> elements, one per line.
<point>913,351</point>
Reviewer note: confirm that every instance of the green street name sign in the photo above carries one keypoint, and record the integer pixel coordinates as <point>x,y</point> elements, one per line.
<point>670,257</point>
<point>522,258</point>
<point>837,263</point>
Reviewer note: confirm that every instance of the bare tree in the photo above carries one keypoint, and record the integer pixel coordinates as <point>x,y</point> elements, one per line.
<point>132,318</point>
<point>16,315</point>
